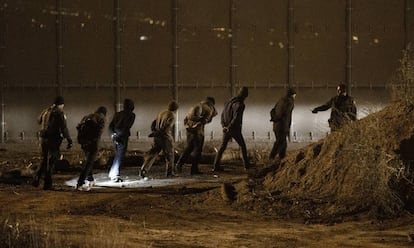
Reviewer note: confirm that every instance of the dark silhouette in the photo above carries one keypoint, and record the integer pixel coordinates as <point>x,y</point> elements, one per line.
<point>343,109</point>
<point>120,131</point>
<point>53,131</point>
<point>281,116</point>
<point>89,134</point>
<point>231,121</point>
<point>162,132</point>
<point>198,116</point>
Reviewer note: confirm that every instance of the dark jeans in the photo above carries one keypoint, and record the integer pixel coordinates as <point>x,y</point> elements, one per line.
<point>238,137</point>
<point>280,145</point>
<point>161,143</point>
<point>90,151</point>
<point>50,154</point>
<point>121,147</point>
<point>195,142</point>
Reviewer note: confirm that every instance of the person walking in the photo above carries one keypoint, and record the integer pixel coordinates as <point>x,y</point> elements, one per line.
<point>231,121</point>
<point>281,116</point>
<point>89,134</point>
<point>343,109</point>
<point>162,131</point>
<point>119,128</point>
<point>198,116</point>
<point>53,130</point>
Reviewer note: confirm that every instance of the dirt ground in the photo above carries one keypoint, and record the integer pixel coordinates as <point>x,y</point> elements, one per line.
<point>189,213</point>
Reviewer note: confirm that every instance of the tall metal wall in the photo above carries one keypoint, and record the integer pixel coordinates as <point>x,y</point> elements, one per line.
<point>80,49</point>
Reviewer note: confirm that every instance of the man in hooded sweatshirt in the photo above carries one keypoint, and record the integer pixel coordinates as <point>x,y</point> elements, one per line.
<point>231,121</point>
<point>120,131</point>
<point>198,116</point>
<point>89,134</point>
<point>162,131</point>
<point>281,116</point>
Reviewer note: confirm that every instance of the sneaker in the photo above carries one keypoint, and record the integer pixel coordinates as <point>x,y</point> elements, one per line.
<point>83,187</point>
<point>91,183</point>
<point>117,180</point>
<point>142,173</point>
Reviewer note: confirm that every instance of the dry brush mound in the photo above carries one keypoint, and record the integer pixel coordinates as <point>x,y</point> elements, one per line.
<point>364,167</point>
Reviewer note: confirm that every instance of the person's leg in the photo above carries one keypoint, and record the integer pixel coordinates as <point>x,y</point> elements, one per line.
<point>225,141</point>
<point>198,148</point>
<point>90,157</point>
<point>119,156</point>
<point>43,164</point>
<point>273,152</point>
<point>187,151</point>
<point>150,158</point>
<point>168,148</point>
<point>54,150</point>
<point>283,144</point>
<point>238,137</point>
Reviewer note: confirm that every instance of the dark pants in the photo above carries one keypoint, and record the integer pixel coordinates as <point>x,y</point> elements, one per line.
<point>90,151</point>
<point>280,145</point>
<point>50,155</point>
<point>238,137</point>
<point>121,147</point>
<point>195,142</point>
<point>161,143</point>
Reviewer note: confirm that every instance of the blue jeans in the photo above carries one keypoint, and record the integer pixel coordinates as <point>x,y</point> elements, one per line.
<point>120,149</point>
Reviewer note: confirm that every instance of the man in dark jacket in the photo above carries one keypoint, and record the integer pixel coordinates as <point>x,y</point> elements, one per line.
<point>281,116</point>
<point>120,131</point>
<point>198,116</point>
<point>89,134</point>
<point>231,121</point>
<point>162,131</point>
<point>53,131</point>
<point>343,109</point>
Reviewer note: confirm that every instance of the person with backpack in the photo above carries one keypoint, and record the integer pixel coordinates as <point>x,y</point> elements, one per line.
<point>53,130</point>
<point>281,116</point>
<point>162,131</point>
<point>198,116</point>
<point>89,133</point>
<point>231,121</point>
<point>119,128</point>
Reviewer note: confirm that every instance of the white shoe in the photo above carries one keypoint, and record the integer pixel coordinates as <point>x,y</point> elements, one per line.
<point>117,180</point>
<point>84,187</point>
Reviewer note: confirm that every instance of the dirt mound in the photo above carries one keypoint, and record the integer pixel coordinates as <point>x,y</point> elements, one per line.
<point>364,167</point>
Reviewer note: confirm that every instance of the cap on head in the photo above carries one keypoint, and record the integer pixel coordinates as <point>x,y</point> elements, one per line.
<point>101,110</point>
<point>59,100</point>
<point>128,104</point>
<point>291,91</point>
<point>211,100</point>
<point>243,92</point>
<point>172,106</point>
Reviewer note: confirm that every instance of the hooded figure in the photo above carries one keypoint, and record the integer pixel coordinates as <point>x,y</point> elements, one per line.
<point>231,121</point>
<point>89,134</point>
<point>281,116</point>
<point>119,128</point>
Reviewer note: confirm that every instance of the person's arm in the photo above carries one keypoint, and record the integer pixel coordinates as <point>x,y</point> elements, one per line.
<point>323,107</point>
<point>237,114</point>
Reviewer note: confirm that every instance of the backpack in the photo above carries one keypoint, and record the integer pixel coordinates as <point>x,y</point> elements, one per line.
<point>44,122</point>
<point>88,130</point>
